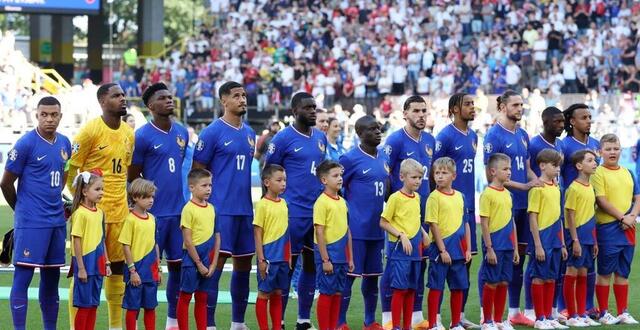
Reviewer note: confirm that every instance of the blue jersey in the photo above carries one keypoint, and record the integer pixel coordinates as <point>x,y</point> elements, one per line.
<point>538,143</point>
<point>365,183</point>
<point>161,155</point>
<point>299,154</point>
<point>39,165</point>
<point>571,145</point>
<point>227,152</point>
<point>514,144</point>
<point>461,147</point>
<point>400,146</point>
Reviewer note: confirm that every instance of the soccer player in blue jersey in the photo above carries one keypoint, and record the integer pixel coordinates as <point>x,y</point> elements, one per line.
<point>37,161</point>
<point>577,124</point>
<point>226,149</point>
<point>409,142</point>
<point>366,184</point>
<point>300,148</point>
<point>459,143</point>
<point>158,156</point>
<point>508,138</point>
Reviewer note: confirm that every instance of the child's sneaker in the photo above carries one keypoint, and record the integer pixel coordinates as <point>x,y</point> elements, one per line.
<point>468,324</point>
<point>590,322</point>
<point>608,319</point>
<point>556,325</point>
<point>593,313</point>
<point>489,326</point>
<point>543,325</point>
<point>422,325</point>
<point>373,326</point>
<point>506,325</point>
<point>457,327</point>
<point>388,326</point>
<point>520,319</point>
<point>576,322</point>
<point>626,318</point>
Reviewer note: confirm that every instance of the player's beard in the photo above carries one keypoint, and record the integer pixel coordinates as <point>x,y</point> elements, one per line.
<point>122,112</point>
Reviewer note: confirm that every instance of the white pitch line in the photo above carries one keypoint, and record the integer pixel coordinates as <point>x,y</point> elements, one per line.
<point>10,269</point>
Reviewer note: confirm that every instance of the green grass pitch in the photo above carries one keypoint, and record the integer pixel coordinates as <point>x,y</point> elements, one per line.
<point>223,314</point>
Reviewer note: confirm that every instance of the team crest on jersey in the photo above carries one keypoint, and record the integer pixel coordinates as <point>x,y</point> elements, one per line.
<point>64,155</point>
<point>524,143</point>
<point>488,148</point>
<point>473,144</point>
<point>13,154</point>
<point>438,146</point>
<point>26,253</point>
<point>272,148</point>
<point>200,145</point>
<point>321,146</point>
<point>428,150</point>
<point>386,168</point>
<point>251,142</point>
<point>181,142</point>
<point>387,150</point>
<point>75,147</point>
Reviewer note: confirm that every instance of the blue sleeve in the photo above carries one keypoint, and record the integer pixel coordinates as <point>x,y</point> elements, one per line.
<point>184,131</point>
<point>18,156</point>
<point>636,188</point>
<point>442,146</point>
<point>348,169</point>
<point>491,145</point>
<point>276,149</point>
<point>140,148</point>
<point>526,137</point>
<point>205,147</point>
<point>637,147</point>
<point>392,149</point>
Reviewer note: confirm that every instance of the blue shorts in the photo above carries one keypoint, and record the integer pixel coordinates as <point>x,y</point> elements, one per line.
<point>455,275</point>
<point>39,247</point>
<point>143,296</point>
<point>301,234</point>
<point>470,216</point>
<point>615,259</point>
<point>333,283</point>
<point>191,281</point>
<point>502,271</point>
<point>584,261</point>
<point>87,294</point>
<point>236,232</point>
<point>549,269</point>
<point>367,257</point>
<point>277,277</point>
<point>404,273</point>
<point>169,237</point>
<point>521,218</point>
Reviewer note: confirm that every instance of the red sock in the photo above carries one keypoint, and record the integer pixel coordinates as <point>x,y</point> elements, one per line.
<point>182,310</point>
<point>549,294</point>
<point>200,310</point>
<point>407,310</point>
<point>336,300</point>
<point>149,319</point>
<point>81,318</point>
<point>91,319</point>
<point>537,297</point>
<point>488,302</point>
<point>500,302</point>
<point>581,295</point>
<point>323,312</point>
<point>397,304</point>
<point>130,319</point>
<point>275,309</point>
<point>456,306</point>
<point>569,292</point>
<point>602,293</point>
<point>621,291</point>
<point>261,313</point>
<point>433,302</point>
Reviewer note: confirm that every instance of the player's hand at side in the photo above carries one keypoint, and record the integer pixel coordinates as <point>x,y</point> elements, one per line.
<point>109,272</point>
<point>327,267</point>
<point>135,279</point>
<point>492,259</point>
<point>262,269</point>
<point>516,257</point>
<point>352,266</point>
<point>596,250</point>
<point>564,252</point>
<point>540,253</point>
<point>406,244</point>
<point>159,278</point>
<point>629,220</point>
<point>202,269</point>
<point>445,257</point>
<point>467,256</point>
<point>577,249</point>
<point>82,275</point>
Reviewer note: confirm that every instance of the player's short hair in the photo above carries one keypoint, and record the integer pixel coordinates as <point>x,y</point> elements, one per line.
<point>298,97</point>
<point>580,155</point>
<point>325,167</point>
<point>456,101</point>
<point>496,158</point>
<point>411,165</point>
<point>413,99</point>
<point>446,163</point>
<point>362,121</point>
<point>549,112</point>
<point>568,114</point>
<point>141,188</point>
<point>197,174</point>
<point>48,100</point>
<point>104,90</point>
<point>549,156</point>
<point>226,88</point>
<point>502,99</point>
<point>269,170</point>
<point>151,90</point>
<point>609,138</point>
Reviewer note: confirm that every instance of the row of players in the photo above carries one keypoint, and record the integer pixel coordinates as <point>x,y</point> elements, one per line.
<point>224,148</point>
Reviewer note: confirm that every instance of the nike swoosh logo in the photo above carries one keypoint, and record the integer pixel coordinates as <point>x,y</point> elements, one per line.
<point>101,147</point>
<point>227,143</point>
<point>410,153</point>
<point>366,171</point>
<point>297,149</point>
<point>41,158</point>
<point>458,147</point>
<point>509,145</point>
<point>19,306</point>
<point>157,146</point>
